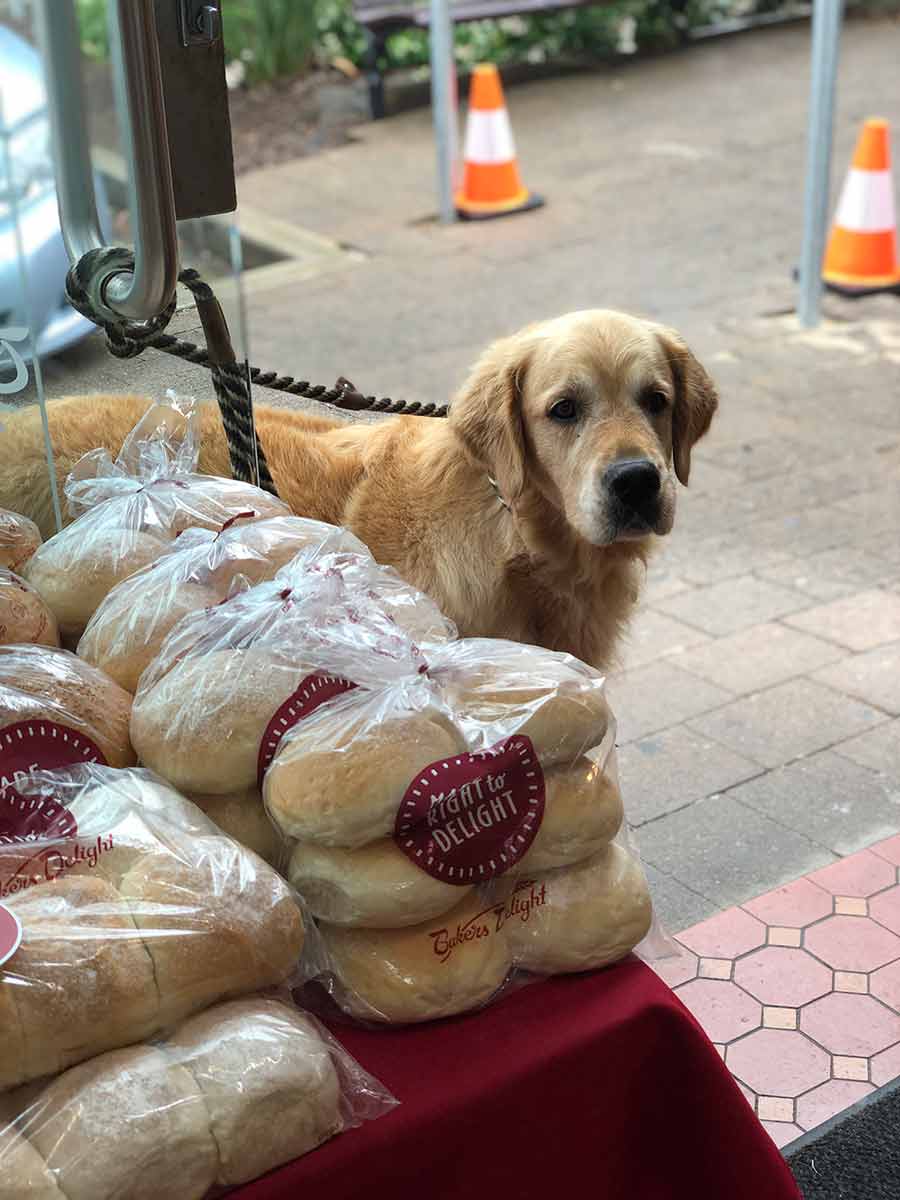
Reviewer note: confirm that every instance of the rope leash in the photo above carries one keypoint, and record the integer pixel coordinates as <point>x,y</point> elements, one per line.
<point>231,380</point>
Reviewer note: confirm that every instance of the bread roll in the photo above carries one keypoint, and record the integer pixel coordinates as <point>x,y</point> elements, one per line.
<point>55,685</point>
<point>582,813</point>
<point>12,1043</point>
<point>577,918</point>
<point>339,777</point>
<point>129,1125</point>
<point>81,981</point>
<point>229,925</point>
<point>23,1173</point>
<point>209,501</point>
<point>267,1081</point>
<point>77,567</point>
<point>374,887</point>
<point>19,538</point>
<point>201,724</point>
<point>242,816</point>
<point>24,617</point>
<point>444,966</point>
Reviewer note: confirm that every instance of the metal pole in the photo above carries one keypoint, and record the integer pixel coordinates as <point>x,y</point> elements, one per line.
<point>443,105</point>
<point>826,34</point>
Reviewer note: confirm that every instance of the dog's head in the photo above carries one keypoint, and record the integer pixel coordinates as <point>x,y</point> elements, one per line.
<point>596,410</point>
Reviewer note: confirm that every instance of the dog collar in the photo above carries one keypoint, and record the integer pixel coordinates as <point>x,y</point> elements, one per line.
<point>494,485</point>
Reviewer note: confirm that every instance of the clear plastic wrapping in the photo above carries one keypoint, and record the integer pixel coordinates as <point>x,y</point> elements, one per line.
<point>24,617</point>
<point>135,911</point>
<point>19,538</point>
<point>231,1094</point>
<point>129,511</point>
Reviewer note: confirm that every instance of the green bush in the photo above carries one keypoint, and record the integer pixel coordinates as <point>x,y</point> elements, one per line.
<point>273,38</point>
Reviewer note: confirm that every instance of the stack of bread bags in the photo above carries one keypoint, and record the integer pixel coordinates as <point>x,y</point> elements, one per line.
<point>136,912</point>
<point>129,512</point>
<point>24,616</point>
<point>229,681</point>
<point>452,830</point>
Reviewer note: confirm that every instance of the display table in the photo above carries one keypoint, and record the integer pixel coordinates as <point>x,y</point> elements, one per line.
<point>598,1086</point>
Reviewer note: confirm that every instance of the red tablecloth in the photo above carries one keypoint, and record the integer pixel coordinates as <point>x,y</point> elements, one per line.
<point>601,1085</point>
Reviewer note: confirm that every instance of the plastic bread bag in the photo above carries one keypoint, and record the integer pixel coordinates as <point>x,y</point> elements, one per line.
<point>134,911</point>
<point>19,538</point>
<point>129,511</point>
<point>57,711</point>
<point>202,569</point>
<point>24,617</point>
<point>229,1095</point>
<point>229,681</point>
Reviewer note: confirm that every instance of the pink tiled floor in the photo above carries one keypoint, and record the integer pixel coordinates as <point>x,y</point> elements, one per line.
<point>800,989</point>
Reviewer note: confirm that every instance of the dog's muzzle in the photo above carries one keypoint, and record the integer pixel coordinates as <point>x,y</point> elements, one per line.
<point>634,486</point>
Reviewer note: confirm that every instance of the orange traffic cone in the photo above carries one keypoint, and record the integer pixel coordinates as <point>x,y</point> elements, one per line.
<point>862,251</point>
<point>491,185</point>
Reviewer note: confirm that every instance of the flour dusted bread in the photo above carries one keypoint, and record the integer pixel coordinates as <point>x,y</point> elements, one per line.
<point>12,1042</point>
<point>375,887</point>
<point>24,617</point>
<point>23,1173</point>
<point>267,1080</point>
<point>19,538</point>
<point>444,966</point>
<point>129,1124</point>
<point>577,918</point>
<point>340,775</point>
<point>582,813</point>
<point>243,817</point>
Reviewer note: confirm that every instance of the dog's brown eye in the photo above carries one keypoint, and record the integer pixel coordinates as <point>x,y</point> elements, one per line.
<point>564,410</point>
<point>655,402</point>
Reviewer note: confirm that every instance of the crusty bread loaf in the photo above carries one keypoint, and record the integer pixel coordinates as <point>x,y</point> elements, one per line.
<point>201,724</point>
<point>19,538</point>
<point>444,966</point>
<point>81,981</point>
<point>129,1124</point>
<point>77,567</point>
<point>24,617</point>
<point>209,501</point>
<point>582,813</point>
<point>374,887</point>
<point>267,1080</point>
<point>230,925</point>
<point>39,682</point>
<point>23,1173</point>
<point>242,816</point>
<point>339,777</point>
<point>577,918</point>
<point>12,1042</point>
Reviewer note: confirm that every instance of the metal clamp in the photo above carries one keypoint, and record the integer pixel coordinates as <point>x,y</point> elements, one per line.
<point>145,292</point>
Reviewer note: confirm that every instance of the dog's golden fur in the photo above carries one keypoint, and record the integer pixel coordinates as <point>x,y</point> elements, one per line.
<point>550,566</point>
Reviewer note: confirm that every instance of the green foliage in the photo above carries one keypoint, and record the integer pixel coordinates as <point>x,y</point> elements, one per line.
<point>93,28</point>
<point>273,38</point>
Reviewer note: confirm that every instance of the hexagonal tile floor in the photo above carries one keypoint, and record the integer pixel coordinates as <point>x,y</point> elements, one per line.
<point>800,989</point>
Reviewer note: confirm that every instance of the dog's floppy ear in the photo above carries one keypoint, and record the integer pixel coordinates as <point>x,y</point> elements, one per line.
<point>696,400</point>
<point>487,415</point>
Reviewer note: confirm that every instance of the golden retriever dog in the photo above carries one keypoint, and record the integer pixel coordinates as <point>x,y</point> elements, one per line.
<point>528,514</point>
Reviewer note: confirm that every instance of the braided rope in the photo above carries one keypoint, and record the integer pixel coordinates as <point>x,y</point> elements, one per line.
<point>231,380</point>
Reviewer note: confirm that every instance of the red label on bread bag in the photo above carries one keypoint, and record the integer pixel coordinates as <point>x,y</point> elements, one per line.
<point>467,819</point>
<point>10,934</point>
<point>39,745</point>
<point>314,690</point>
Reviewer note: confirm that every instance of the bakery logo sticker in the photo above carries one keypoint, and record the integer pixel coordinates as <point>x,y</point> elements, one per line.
<point>10,934</point>
<point>468,819</point>
<point>38,842</point>
<point>37,745</point>
<point>314,691</point>
<point>526,899</point>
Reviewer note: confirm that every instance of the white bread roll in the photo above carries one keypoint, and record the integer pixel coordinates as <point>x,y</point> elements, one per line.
<point>229,924</point>
<point>339,776</point>
<point>444,966</point>
<point>78,566</point>
<point>582,813</point>
<point>242,816</point>
<point>24,617</point>
<point>374,887</point>
<point>53,684</point>
<point>129,1125</point>
<point>577,918</point>
<point>81,981</point>
<point>267,1080</point>
<point>23,1173</point>
<point>497,688</point>
<point>200,726</point>
<point>12,1041</point>
<point>19,538</point>
<point>209,501</point>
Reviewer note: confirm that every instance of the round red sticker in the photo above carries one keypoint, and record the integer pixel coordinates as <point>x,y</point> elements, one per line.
<point>10,934</point>
<point>313,691</point>
<point>38,745</point>
<point>468,819</point>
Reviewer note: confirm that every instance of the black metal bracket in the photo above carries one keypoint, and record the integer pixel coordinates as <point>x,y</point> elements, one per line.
<point>201,22</point>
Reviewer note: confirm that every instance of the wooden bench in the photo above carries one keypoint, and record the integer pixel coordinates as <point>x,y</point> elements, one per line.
<point>380,18</point>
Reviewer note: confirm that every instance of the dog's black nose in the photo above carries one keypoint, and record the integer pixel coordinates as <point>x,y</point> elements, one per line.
<point>635,483</point>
